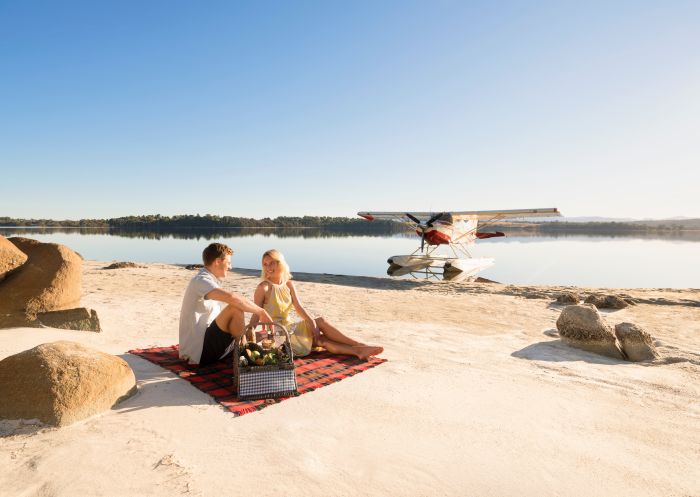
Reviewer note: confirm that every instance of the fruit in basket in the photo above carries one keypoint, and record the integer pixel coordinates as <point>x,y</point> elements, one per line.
<point>254,347</point>
<point>253,355</point>
<point>281,353</point>
<point>270,358</point>
<point>242,361</point>
<point>259,361</point>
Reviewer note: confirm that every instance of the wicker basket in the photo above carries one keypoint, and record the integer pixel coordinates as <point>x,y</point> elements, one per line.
<point>264,382</point>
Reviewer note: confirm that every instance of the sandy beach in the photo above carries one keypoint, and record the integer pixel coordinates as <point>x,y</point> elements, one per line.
<point>478,397</point>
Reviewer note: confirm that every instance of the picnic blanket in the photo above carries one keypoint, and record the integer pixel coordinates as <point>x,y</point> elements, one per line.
<point>313,371</point>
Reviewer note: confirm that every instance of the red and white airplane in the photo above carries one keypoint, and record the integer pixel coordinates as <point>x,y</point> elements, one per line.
<point>454,230</point>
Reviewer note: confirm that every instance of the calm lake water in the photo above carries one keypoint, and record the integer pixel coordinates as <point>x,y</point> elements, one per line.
<point>596,261</point>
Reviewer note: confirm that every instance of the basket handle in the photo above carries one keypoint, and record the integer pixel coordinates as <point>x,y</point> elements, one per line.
<point>250,328</point>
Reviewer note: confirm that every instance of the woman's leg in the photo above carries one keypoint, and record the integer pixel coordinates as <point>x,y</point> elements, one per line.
<point>334,334</point>
<point>359,351</point>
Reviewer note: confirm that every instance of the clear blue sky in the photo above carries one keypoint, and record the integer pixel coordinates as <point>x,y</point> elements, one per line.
<point>289,108</point>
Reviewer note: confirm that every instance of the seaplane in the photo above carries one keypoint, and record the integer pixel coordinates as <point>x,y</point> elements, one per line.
<point>445,238</point>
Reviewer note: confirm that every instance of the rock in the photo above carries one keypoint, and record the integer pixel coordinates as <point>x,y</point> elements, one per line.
<point>121,265</point>
<point>614,302</point>
<point>48,281</point>
<point>194,266</point>
<point>583,327</point>
<point>62,382</point>
<point>595,300</point>
<point>568,298</point>
<point>10,257</point>
<point>71,319</point>
<point>606,301</point>
<point>637,344</point>
<point>534,295</point>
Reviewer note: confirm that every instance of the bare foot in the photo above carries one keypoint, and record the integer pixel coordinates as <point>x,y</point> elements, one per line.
<point>364,352</point>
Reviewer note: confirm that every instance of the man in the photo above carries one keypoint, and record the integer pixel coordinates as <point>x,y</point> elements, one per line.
<point>211,317</point>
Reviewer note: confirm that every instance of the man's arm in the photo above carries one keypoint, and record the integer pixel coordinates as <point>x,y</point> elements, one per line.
<point>239,302</point>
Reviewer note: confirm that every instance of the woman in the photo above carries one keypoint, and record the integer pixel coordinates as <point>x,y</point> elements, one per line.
<point>277,295</point>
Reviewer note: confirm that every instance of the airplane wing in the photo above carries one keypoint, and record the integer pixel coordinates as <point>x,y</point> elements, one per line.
<point>400,217</point>
<point>480,215</point>
<point>507,214</point>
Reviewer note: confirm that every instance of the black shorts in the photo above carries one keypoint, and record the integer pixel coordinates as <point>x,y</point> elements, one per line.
<point>216,343</point>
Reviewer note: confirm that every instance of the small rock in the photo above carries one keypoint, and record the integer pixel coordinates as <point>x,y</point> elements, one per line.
<point>568,298</point>
<point>71,319</point>
<point>583,327</point>
<point>614,302</point>
<point>121,265</point>
<point>194,266</point>
<point>534,295</point>
<point>595,300</point>
<point>606,301</point>
<point>637,344</point>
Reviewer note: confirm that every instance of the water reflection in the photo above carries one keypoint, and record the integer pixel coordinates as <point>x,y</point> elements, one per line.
<point>432,273</point>
<point>363,229</point>
<point>521,257</point>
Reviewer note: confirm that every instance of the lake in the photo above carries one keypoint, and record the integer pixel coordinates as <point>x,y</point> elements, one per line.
<point>592,261</point>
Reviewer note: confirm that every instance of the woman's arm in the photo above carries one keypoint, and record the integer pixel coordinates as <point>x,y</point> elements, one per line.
<point>239,302</point>
<point>300,308</point>
<point>259,299</point>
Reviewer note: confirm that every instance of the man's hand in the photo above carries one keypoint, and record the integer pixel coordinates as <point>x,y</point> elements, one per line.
<point>265,318</point>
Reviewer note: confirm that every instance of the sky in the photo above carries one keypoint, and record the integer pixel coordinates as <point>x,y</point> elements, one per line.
<point>290,108</point>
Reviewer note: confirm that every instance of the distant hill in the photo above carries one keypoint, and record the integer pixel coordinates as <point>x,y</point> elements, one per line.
<point>594,219</point>
<point>682,223</point>
<point>685,222</point>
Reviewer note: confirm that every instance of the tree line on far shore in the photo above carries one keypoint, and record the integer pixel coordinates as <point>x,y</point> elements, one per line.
<point>157,222</point>
<point>342,224</point>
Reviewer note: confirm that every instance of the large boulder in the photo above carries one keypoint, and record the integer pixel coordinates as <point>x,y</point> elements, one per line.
<point>583,327</point>
<point>48,281</point>
<point>637,344</point>
<point>62,382</point>
<point>10,257</point>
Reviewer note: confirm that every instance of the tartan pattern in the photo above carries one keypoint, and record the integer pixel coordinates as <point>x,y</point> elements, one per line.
<point>316,370</point>
<point>267,383</point>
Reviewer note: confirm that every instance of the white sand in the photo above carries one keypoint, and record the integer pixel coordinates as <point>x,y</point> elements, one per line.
<point>478,398</point>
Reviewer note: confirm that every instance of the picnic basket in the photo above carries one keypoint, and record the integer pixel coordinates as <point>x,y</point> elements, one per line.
<point>269,381</point>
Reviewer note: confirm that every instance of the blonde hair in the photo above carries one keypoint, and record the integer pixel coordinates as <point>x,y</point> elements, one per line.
<point>276,255</point>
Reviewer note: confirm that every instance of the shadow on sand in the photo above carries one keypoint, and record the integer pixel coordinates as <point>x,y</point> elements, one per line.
<point>345,280</point>
<point>556,351</point>
<point>158,387</point>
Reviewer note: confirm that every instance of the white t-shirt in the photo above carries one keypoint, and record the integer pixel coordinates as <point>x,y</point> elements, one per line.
<point>196,314</point>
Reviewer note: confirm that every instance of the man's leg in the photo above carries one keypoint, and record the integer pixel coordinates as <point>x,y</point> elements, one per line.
<point>217,344</point>
<point>219,336</point>
<point>232,321</point>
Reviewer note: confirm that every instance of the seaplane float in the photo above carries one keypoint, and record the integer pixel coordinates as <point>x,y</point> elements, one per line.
<point>445,238</point>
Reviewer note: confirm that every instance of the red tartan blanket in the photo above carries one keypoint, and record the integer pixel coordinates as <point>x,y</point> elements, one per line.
<point>313,371</point>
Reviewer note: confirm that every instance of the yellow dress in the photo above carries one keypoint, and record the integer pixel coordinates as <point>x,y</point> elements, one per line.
<point>278,304</point>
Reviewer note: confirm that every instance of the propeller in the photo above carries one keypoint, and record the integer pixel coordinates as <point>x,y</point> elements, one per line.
<point>423,227</point>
